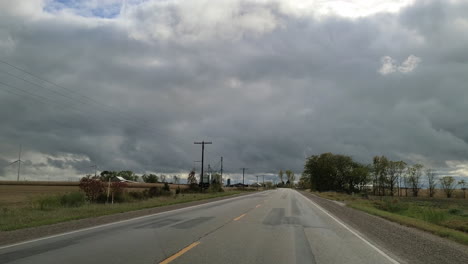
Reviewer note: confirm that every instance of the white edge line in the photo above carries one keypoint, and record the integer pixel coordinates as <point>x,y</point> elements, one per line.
<point>120,222</point>
<point>352,231</point>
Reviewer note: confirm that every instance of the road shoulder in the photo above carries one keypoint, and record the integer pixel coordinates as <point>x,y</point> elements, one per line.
<point>409,244</point>
<point>16,236</point>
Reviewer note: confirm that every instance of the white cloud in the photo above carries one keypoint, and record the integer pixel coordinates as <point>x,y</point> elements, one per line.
<point>409,64</point>
<point>389,65</point>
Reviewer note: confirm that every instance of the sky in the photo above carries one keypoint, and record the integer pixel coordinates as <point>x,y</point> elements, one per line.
<point>131,85</point>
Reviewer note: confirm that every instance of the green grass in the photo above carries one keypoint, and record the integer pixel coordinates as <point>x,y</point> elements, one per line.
<point>444,217</point>
<point>49,210</point>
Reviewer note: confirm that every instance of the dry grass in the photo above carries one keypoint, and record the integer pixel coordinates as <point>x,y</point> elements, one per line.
<point>15,195</point>
<point>440,216</point>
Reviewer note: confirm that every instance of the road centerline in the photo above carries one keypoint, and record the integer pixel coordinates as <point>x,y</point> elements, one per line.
<point>180,253</point>
<point>239,217</point>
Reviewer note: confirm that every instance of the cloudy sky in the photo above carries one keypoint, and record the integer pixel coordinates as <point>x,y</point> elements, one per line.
<point>132,84</point>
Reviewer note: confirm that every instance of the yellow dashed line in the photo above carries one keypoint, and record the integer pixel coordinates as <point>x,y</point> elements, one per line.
<point>180,253</point>
<point>239,217</point>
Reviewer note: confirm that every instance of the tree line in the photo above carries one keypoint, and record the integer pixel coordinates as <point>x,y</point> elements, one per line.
<point>336,172</point>
<point>131,176</point>
<point>287,175</point>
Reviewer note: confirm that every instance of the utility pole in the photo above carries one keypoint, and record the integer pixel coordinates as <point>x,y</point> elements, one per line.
<point>257,182</point>
<point>221,171</point>
<point>263,181</point>
<point>243,173</point>
<point>202,159</point>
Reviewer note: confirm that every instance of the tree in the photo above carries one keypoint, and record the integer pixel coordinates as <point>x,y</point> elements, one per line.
<point>431,181</point>
<point>128,175</point>
<point>401,166</point>
<point>392,175</point>
<point>290,177</point>
<point>331,172</point>
<point>191,179</point>
<point>108,175</point>
<point>304,182</point>
<point>150,178</point>
<point>359,177</point>
<point>380,168</point>
<point>448,185</point>
<point>163,178</point>
<point>406,181</point>
<point>462,184</point>
<point>414,178</point>
<point>280,175</point>
<point>176,179</point>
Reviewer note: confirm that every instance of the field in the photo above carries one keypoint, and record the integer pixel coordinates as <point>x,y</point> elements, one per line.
<point>441,216</point>
<point>36,204</point>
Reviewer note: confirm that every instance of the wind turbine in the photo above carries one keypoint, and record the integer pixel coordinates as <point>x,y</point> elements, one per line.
<point>19,163</point>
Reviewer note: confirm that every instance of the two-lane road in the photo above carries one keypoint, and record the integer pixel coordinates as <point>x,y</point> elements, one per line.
<point>279,226</point>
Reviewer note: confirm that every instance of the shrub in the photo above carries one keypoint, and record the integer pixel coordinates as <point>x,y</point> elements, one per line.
<point>92,188</point>
<point>117,189</point>
<point>138,195</point>
<point>166,187</point>
<point>48,202</point>
<point>215,187</point>
<point>154,192</point>
<point>455,211</point>
<point>74,199</point>
<point>392,206</point>
<point>177,191</point>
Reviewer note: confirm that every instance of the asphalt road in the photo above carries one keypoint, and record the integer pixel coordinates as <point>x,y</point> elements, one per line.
<point>278,226</point>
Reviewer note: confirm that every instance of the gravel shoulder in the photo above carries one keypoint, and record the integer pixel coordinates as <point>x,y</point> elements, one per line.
<point>16,236</point>
<point>408,245</point>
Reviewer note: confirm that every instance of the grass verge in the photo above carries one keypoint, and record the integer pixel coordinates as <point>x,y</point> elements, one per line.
<point>48,212</point>
<point>442,217</point>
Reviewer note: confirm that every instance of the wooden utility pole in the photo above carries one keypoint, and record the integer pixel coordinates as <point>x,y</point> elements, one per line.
<point>202,159</point>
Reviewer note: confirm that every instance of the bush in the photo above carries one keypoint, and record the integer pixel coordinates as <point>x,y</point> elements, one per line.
<point>92,188</point>
<point>392,206</point>
<point>48,202</point>
<point>455,211</point>
<point>193,188</point>
<point>154,192</point>
<point>138,195</point>
<point>74,199</point>
<point>177,191</point>
<point>215,187</point>
<point>166,187</point>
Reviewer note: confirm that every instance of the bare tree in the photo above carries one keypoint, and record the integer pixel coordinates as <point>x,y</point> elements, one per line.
<point>163,178</point>
<point>280,175</point>
<point>401,166</point>
<point>431,180</point>
<point>462,183</point>
<point>191,179</point>
<point>392,176</point>
<point>448,185</point>
<point>414,178</point>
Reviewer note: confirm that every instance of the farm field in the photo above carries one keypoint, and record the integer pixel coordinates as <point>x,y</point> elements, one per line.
<point>442,216</point>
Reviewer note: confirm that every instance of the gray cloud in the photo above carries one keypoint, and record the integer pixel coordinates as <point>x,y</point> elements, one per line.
<point>267,85</point>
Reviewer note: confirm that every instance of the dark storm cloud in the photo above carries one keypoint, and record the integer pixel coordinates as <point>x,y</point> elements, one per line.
<point>268,87</point>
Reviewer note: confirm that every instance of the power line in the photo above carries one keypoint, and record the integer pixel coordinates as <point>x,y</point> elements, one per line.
<point>87,101</point>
